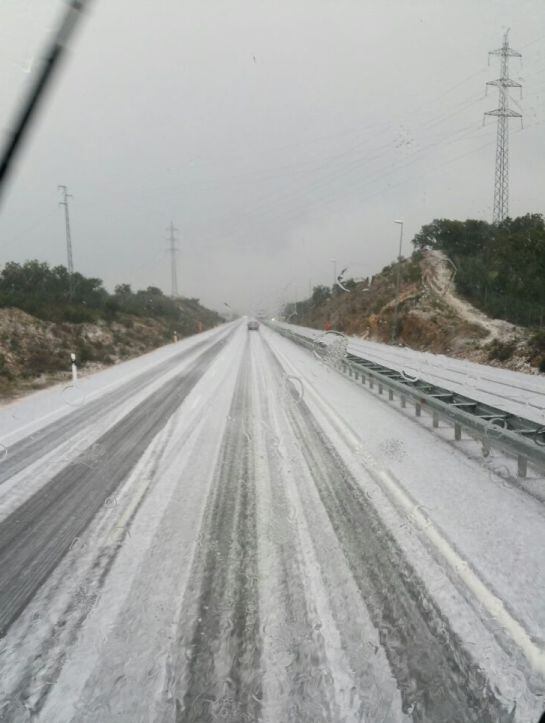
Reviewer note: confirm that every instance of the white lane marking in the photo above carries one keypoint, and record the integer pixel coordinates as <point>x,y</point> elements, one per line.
<point>534,654</point>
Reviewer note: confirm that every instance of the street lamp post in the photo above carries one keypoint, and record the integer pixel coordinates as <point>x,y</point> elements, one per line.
<point>398,280</point>
<point>334,262</point>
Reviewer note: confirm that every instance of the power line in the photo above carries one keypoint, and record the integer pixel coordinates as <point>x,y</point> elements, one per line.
<point>173,251</point>
<point>503,113</point>
<point>367,197</point>
<point>355,166</point>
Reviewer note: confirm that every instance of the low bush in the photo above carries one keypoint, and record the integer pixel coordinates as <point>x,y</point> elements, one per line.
<point>501,350</point>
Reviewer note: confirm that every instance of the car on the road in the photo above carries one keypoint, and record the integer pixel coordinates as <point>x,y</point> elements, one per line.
<point>253,325</point>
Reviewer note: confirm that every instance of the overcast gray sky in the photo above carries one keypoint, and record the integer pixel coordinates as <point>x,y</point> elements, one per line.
<point>277,135</point>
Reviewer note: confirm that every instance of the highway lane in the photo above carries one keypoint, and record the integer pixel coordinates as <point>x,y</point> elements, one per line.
<point>30,448</point>
<point>39,533</point>
<point>435,675</point>
<point>225,617</point>
<point>259,576</point>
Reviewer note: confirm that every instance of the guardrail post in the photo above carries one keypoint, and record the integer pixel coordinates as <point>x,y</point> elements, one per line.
<point>403,401</point>
<point>435,419</point>
<point>418,409</point>
<point>390,394</point>
<point>379,388</point>
<point>370,382</point>
<point>457,431</point>
<point>522,466</point>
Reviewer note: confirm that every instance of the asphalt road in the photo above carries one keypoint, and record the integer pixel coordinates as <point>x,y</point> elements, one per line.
<point>436,677</point>
<point>260,582</point>
<point>39,533</point>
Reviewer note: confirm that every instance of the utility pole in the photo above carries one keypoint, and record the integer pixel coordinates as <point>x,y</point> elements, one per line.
<point>69,257</point>
<point>503,113</point>
<point>398,281</point>
<point>173,251</point>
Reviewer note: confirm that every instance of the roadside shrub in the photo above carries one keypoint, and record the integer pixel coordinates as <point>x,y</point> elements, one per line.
<point>501,350</point>
<point>412,273</point>
<point>78,314</point>
<point>86,352</point>
<point>4,370</point>
<point>41,361</point>
<point>537,341</point>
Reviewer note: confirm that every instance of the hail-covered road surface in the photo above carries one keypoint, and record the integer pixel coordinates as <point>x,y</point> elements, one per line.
<point>228,530</point>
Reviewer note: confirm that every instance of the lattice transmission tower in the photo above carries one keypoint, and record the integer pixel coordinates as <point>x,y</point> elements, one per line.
<point>503,113</point>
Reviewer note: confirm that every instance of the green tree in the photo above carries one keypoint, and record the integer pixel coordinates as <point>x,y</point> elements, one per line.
<point>500,267</point>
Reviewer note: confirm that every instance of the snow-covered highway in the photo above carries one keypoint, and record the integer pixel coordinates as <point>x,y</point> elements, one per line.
<point>228,529</point>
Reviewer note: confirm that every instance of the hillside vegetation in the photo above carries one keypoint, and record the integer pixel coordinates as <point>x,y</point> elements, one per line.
<point>499,267</point>
<point>470,289</point>
<point>45,315</point>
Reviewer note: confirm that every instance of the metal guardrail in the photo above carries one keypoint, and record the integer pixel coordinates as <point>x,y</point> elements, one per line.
<point>490,426</point>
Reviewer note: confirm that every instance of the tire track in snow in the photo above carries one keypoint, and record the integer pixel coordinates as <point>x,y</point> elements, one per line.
<point>298,684</point>
<point>219,635</point>
<point>35,537</point>
<point>437,678</point>
<point>51,652</point>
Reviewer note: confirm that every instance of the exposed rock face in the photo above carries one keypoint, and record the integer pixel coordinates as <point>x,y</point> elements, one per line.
<point>34,352</point>
<point>431,316</point>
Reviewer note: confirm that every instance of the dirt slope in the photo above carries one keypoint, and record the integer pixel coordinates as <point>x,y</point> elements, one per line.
<point>440,278</point>
<point>431,316</point>
<point>35,353</point>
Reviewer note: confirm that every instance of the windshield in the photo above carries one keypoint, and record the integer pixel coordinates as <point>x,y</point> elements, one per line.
<point>272,358</point>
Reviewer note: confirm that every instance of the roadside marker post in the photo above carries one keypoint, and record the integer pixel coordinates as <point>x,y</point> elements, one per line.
<point>74,369</point>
